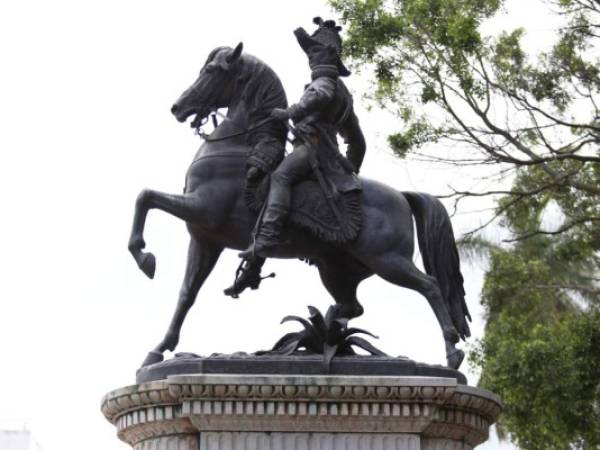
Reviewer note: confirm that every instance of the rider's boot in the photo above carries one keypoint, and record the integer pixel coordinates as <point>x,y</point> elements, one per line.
<point>248,278</point>
<point>269,232</point>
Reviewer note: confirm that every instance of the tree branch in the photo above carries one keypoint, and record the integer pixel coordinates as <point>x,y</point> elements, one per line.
<point>562,229</point>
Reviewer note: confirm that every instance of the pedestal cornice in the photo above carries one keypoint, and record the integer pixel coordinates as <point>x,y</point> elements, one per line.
<point>432,407</point>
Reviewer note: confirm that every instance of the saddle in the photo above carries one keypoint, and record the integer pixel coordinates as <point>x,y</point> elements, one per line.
<point>311,211</point>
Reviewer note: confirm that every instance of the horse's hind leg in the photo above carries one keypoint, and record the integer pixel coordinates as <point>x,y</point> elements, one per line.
<point>401,271</point>
<point>202,257</point>
<point>185,207</point>
<point>341,281</point>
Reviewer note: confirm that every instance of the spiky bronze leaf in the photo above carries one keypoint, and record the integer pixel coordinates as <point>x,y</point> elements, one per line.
<point>319,323</point>
<point>289,337</point>
<point>365,345</point>
<point>328,336</point>
<point>350,331</point>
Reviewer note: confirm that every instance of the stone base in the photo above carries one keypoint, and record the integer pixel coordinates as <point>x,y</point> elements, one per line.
<point>297,364</point>
<point>320,412</point>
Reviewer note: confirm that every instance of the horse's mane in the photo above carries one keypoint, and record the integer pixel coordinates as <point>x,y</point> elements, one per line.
<point>263,91</point>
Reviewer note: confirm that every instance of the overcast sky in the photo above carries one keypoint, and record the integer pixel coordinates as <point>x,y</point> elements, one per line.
<point>85,93</point>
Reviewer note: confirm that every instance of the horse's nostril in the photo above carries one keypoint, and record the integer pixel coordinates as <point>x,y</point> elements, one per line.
<point>174,108</point>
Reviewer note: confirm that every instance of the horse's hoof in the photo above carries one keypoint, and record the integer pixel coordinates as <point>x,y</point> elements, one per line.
<point>455,359</point>
<point>153,357</point>
<point>148,264</point>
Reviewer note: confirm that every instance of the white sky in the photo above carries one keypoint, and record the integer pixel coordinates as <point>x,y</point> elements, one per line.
<point>85,93</point>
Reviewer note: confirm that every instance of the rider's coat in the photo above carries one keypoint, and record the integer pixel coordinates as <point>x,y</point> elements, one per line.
<point>325,110</point>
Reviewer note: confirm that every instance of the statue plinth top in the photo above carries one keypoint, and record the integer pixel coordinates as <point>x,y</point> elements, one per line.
<point>297,364</point>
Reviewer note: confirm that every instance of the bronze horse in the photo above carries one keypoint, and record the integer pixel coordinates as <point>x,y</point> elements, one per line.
<point>213,207</point>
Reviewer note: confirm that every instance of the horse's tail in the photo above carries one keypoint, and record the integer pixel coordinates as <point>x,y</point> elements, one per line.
<point>440,256</point>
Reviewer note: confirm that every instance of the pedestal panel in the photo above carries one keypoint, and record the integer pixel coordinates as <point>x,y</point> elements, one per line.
<point>307,441</point>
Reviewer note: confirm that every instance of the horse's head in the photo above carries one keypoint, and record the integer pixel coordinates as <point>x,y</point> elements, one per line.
<point>213,88</point>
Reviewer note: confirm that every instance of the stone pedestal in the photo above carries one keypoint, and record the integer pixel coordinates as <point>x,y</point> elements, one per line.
<point>301,412</point>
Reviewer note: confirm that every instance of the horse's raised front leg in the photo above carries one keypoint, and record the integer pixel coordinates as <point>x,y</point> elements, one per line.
<point>202,257</point>
<point>186,207</point>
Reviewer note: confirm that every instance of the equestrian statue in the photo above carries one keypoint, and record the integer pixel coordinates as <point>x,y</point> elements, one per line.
<point>243,193</point>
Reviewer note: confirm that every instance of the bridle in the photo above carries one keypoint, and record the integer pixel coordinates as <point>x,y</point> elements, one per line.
<point>243,131</point>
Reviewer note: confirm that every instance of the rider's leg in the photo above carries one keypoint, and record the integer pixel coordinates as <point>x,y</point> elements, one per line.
<point>292,169</point>
<point>265,155</point>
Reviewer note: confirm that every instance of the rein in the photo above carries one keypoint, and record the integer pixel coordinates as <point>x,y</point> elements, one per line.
<point>244,131</point>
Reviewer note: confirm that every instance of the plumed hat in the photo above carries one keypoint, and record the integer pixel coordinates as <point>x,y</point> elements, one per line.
<point>327,35</point>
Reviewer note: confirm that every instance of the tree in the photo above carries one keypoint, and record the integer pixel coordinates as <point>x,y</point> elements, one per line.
<point>541,350</point>
<point>534,120</point>
<point>450,83</point>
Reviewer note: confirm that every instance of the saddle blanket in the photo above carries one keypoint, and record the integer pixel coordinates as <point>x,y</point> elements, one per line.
<point>311,211</point>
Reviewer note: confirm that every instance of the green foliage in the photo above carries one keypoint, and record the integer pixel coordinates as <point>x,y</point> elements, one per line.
<point>509,59</point>
<point>541,349</point>
<point>433,37</point>
<point>433,52</point>
<point>417,134</point>
<point>547,376</point>
<point>541,354</point>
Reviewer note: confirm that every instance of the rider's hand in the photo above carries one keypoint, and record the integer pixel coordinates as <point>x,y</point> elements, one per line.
<point>280,114</point>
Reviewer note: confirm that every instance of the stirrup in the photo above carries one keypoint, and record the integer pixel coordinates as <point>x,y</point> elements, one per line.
<point>244,279</point>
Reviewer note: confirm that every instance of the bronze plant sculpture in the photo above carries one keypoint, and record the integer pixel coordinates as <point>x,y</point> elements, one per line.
<point>328,336</point>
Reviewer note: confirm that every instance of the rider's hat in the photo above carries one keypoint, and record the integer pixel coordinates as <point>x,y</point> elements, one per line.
<point>326,35</point>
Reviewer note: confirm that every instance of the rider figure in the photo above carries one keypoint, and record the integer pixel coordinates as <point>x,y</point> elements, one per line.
<point>324,111</point>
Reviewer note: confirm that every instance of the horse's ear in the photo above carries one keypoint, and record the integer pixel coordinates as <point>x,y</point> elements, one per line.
<point>237,51</point>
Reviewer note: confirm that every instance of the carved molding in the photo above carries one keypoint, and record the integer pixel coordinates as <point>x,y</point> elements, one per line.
<point>433,408</point>
<point>309,416</point>
<point>154,431</point>
<point>133,397</point>
<point>424,394</point>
